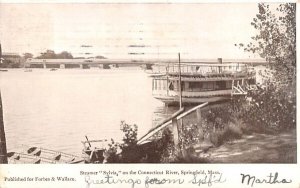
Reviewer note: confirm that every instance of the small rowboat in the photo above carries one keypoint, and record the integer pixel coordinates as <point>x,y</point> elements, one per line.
<point>37,155</point>
<point>22,158</point>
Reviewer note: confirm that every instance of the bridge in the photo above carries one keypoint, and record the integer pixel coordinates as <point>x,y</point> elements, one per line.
<point>106,63</point>
<point>84,63</point>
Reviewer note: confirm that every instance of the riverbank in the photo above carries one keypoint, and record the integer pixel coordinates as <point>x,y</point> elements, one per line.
<point>223,136</point>
<point>257,148</point>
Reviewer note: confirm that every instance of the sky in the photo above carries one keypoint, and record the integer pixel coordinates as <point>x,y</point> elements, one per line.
<point>133,31</point>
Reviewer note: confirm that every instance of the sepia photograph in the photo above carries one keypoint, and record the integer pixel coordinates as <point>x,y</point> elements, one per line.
<point>163,83</point>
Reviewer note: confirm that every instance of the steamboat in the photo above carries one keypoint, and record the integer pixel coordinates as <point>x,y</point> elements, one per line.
<point>199,83</point>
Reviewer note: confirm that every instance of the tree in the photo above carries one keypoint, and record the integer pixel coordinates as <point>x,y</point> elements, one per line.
<point>274,105</point>
<point>276,40</point>
<point>64,55</point>
<point>27,55</point>
<point>50,54</point>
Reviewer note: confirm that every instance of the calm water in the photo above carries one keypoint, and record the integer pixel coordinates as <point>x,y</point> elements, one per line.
<point>56,109</point>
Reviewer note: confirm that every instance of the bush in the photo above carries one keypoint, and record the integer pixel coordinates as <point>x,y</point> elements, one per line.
<point>160,149</point>
<point>110,155</point>
<point>271,109</point>
<point>129,150</point>
<point>231,132</point>
<point>191,134</point>
<point>169,154</point>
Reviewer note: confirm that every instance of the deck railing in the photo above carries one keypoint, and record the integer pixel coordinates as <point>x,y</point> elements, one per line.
<point>192,93</point>
<point>201,69</point>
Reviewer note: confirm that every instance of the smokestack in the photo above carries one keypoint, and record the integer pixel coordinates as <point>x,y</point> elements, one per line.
<point>220,60</point>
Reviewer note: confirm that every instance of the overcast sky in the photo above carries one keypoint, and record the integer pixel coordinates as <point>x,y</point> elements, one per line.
<point>195,30</point>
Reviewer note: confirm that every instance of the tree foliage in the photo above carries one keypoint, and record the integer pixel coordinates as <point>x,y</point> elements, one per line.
<point>273,106</point>
<point>276,39</point>
<point>50,54</point>
<point>27,55</point>
<point>271,111</point>
<point>128,151</point>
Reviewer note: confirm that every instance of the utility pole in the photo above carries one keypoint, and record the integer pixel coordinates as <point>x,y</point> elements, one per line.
<point>183,151</point>
<point>3,151</point>
<point>180,90</point>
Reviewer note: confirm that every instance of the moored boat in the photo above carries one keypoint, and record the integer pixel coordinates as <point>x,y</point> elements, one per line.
<point>23,158</point>
<point>37,155</point>
<point>95,153</point>
<point>201,82</point>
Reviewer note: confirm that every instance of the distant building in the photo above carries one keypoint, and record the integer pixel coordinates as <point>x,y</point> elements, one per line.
<point>11,58</point>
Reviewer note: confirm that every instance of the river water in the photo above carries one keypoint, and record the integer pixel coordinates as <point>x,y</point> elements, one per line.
<point>57,109</point>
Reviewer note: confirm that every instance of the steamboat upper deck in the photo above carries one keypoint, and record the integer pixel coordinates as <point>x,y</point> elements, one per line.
<point>201,69</point>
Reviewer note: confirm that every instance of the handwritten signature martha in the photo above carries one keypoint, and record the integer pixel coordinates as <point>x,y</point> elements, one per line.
<point>270,179</point>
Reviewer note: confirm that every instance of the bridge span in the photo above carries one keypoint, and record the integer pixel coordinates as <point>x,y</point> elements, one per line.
<point>106,63</point>
<point>84,63</point>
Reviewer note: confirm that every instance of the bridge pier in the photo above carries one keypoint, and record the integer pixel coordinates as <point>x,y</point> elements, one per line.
<point>148,66</point>
<point>81,66</point>
<point>85,66</point>
<point>44,65</point>
<point>106,66</point>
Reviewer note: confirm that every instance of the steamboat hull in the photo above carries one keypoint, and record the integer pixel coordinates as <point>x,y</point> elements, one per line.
<point>191,100</point>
